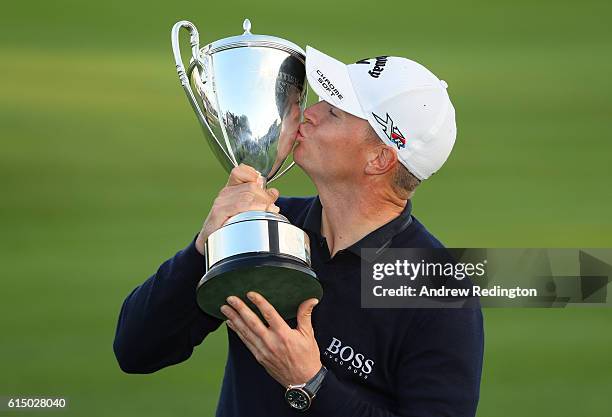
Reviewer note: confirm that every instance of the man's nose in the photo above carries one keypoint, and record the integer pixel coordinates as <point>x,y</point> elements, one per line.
<point>308,113</point>
<point>311,112</point>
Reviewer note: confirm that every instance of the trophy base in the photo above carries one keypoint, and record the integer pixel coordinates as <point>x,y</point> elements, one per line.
<point>283,281</point>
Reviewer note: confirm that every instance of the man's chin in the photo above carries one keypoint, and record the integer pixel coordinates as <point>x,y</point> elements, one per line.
<point>298,158</point>
<point>297,154</point>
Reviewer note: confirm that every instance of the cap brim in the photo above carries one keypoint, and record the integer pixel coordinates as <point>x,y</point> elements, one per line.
<point>329,78</point>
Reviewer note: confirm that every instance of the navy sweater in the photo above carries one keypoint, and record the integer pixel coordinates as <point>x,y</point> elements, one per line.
<point>381,362</point>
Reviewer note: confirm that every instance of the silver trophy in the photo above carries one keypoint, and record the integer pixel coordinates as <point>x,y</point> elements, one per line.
<point>248,93</point>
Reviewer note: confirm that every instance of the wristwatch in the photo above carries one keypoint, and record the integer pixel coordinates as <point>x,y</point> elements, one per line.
<point>299,397</point>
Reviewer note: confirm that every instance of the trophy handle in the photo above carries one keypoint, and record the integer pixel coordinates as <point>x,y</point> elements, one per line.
<point>281,173</point>
<point>194,41</point>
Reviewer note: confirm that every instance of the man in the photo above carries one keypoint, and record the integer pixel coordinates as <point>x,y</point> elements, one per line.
<point>383,125</point>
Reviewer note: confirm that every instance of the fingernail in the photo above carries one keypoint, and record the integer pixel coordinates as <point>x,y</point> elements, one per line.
<point>251,296</point>
<point>231,299</point>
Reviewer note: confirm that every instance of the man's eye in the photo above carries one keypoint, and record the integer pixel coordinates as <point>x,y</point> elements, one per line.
<point>331,110</point>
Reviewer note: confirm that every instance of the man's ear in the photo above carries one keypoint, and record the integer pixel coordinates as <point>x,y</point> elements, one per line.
<point>381,160</point>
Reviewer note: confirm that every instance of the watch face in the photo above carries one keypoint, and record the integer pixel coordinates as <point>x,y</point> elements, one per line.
<point>297,399</point>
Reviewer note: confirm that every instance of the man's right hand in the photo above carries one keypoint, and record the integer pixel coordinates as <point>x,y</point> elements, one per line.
<point>243,192</point>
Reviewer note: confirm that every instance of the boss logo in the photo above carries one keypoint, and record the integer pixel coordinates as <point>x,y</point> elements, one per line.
<point>347,356</point>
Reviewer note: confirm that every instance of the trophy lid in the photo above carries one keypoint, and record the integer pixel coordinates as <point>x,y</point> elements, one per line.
<point>248,39</point>
<point>256,215</point>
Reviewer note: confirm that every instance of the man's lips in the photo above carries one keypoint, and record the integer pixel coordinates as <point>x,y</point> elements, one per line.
<point>299,134</point>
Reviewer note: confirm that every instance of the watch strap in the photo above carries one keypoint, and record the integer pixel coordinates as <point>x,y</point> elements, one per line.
<point>313,385</point>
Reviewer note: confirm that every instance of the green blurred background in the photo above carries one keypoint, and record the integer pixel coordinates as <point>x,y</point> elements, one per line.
<point>104,174</point>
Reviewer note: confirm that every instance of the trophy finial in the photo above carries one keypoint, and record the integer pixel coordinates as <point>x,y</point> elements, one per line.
<point>246,25</point>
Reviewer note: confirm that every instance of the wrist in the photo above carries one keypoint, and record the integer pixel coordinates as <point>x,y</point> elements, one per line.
<point>200,241</point>
<point>309,375</point>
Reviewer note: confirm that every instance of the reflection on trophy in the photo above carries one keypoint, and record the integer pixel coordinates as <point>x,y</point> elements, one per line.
<point>248,93</point>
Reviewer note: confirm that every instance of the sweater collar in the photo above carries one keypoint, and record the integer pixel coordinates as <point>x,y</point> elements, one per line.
<point>378,239</point>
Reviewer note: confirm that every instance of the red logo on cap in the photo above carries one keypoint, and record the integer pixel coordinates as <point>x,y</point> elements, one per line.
<point>392,131</point>
<point>398,136</point>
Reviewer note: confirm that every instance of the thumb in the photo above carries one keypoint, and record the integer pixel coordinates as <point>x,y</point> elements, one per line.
<point>273,193</point>
<point>241,174</point>
<point>304,314</point>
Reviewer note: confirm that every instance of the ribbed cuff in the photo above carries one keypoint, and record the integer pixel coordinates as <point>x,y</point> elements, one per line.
<point>191,262</point>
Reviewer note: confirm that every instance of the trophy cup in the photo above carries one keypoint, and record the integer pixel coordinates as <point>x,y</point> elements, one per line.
<point>248,93</point>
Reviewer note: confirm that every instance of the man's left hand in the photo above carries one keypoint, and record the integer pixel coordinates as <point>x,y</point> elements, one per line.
<point>291,356</point>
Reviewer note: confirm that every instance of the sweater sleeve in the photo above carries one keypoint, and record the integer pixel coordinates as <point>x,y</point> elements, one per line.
<point>160,322</point>
<point>438,376</point>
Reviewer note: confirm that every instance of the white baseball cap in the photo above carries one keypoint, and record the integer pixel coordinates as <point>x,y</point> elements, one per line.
<point>405,103</point>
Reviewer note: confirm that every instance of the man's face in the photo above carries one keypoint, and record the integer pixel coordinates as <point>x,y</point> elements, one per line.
<point>331,144</point>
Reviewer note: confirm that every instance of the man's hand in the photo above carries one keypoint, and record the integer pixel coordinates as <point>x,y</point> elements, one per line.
<point>243,192</point>
<point>291,356</point>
